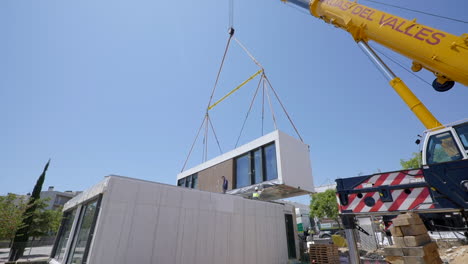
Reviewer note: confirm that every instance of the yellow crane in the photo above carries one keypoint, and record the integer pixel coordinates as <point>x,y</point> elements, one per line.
<point>442,53</point>
<point>444,171</point>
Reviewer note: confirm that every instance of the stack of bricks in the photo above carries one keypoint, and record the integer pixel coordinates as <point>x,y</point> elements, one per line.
<point>412,243</point>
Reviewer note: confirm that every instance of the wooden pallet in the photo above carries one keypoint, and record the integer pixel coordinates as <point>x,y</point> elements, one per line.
<point>324,254</point>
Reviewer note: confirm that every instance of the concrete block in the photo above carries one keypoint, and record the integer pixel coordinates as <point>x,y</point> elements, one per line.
<point>393,251</point>
<point>429,249</point>
<point>416,260</point>
<point>396,231</point>
<point>395,260</point>
<point>413,230</point>
<point>399,241</point>
<point>407,219</point>
<point>415,241</point>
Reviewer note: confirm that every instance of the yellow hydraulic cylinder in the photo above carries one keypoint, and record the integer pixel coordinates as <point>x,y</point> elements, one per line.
<point>444,54</point>
<point>418,108</point>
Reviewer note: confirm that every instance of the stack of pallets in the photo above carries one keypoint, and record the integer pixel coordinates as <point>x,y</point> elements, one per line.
<point>324,254</point>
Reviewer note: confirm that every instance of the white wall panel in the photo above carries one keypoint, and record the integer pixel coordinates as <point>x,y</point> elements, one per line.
<point>125,233</point>
<point>206,237</point>
<point>236,239</point>
<point>296,168</point>
<point>144,222</point>
<point>250,239</point>
<point>223,203</point>
<point>149,194</point>
<point>141,234</point>
<point>191,200</point>
<point>166,233</point>
<point>124,190</point>
<point>205,201</point>
<point>187,251</point>
<point>221,238</point>
<point>171,196</point>
<point>108,232</point>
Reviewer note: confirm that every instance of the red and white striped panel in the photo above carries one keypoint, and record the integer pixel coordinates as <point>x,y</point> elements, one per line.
<point>392,178</point>
<point>416,198</point>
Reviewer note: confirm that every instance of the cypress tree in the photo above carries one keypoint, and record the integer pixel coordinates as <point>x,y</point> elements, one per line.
<point>22,235</point>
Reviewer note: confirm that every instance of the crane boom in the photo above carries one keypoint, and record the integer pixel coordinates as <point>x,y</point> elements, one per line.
<point>442,53</point>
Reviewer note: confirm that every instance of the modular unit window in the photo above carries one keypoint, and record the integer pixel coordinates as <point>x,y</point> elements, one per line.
<point>256,166</point>
<point>243,171</point>
<point>195,181</point>
<point>270,162</point>
<point>84,233</point>
<point>181,182</point>
<point>63,235</point>
<point>190,181</point>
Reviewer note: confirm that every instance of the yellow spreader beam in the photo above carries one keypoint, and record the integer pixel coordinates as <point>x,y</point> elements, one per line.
<point>235,89</point>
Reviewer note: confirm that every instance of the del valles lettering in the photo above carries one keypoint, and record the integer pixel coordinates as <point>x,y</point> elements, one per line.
<point>403,26</point>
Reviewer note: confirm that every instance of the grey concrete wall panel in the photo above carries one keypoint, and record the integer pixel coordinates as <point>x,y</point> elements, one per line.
<point>145,222</point>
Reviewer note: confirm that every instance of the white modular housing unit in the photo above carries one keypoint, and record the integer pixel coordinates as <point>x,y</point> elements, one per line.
<point>278,164</point>
<point>123,220</point>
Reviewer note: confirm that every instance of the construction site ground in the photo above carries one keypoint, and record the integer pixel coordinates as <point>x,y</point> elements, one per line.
<point>454,255</point>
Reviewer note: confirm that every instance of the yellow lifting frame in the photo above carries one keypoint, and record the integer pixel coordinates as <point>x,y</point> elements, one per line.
<point>235,89</point>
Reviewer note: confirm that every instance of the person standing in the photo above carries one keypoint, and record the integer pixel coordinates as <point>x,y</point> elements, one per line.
<point>385,232</point>
<point>225,184</point>
<point>256,194</point>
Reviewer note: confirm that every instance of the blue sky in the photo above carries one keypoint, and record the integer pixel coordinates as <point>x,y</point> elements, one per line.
<point>120,87</point>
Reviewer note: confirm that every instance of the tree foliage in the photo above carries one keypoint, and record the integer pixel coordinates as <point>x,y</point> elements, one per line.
<point>22,234</point>
<point>45,222</point>
<point>11,211</point>
<point>324,205</point>
<point>412,163</point>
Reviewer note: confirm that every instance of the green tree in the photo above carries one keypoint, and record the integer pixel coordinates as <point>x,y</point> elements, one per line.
<point>22,234</point>
<point>11,211</point>
<point>45,222</point>
<point>324,205</point>
<point>412,163</point>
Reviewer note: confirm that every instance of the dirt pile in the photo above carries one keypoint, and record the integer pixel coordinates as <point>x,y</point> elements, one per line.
<point>455,255</point>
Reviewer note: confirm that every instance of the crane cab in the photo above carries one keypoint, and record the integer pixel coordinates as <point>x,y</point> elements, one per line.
<point>446,144</point>
<point>445,165</point>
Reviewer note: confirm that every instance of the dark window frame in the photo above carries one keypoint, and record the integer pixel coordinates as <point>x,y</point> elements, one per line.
<point>188,181</point>
<point>253,172</point>
<point>253,178</point>
<point>264,162</point>
<point>194,179</point>
<point>458,130</point>
<point>249,158</point>
<point>91,229</point>
<point>53,253</point>
<point>432,151</point>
